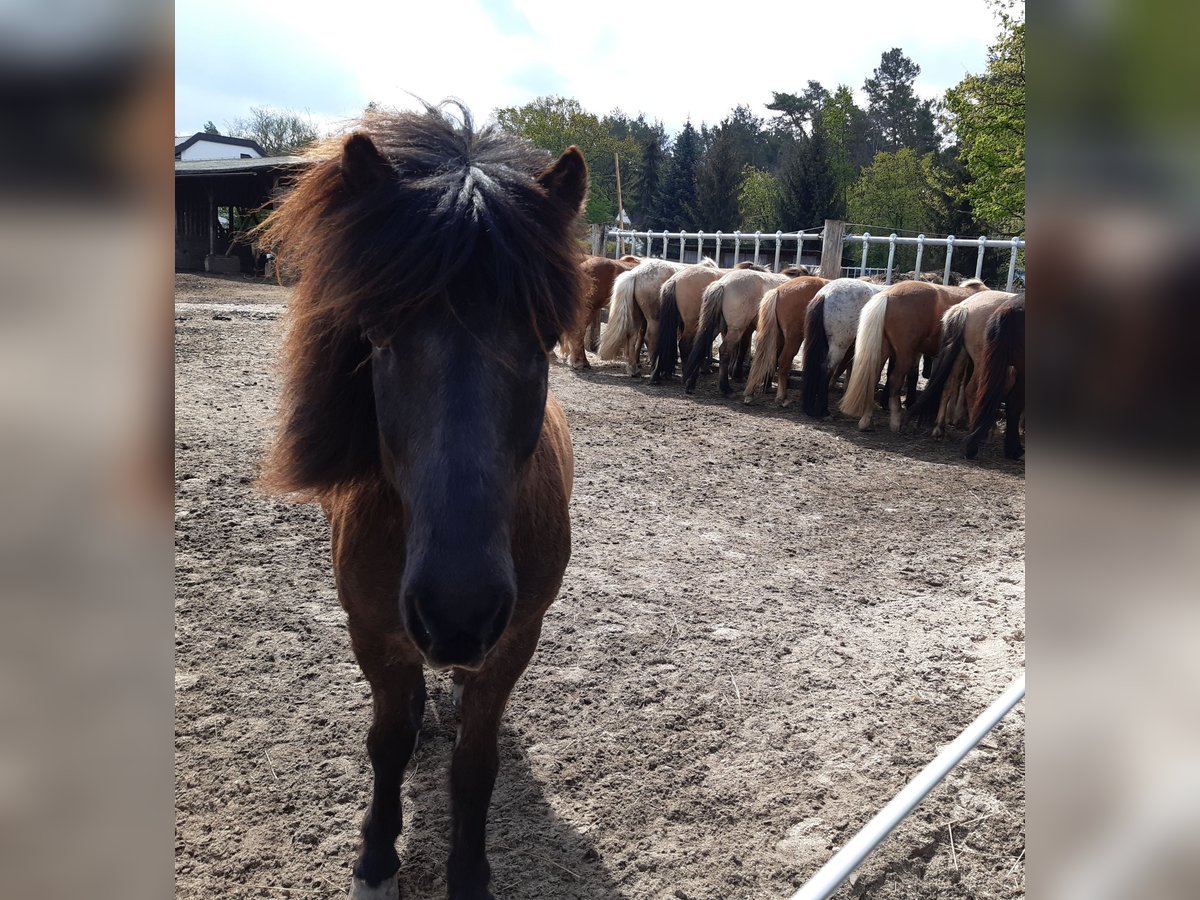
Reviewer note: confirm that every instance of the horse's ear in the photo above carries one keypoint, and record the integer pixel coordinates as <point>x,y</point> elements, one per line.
<point>567,180</point>
<point>363,166</point>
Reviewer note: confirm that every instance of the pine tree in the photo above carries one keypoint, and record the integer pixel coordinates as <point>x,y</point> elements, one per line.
<point>675,205</point>
<point>897,116</point>
<point>717,181</point>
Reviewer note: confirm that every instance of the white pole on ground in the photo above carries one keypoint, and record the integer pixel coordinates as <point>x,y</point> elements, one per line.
<point>830,876</point>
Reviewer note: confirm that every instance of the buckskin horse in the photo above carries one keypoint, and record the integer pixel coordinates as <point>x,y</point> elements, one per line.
<point>897,325</point>
<point>437,267</point>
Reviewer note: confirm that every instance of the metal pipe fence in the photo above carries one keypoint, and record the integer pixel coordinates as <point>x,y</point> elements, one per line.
<point>794,242</point>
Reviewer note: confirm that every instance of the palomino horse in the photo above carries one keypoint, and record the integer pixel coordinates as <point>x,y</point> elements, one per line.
<point>956,368</point>
<point>1001,377</point>
<point>438,265</point>
<point>599,272</point>
<point>830,325</point>
<point>633,313</point>
<point>780,334</point>
<point>679,318</point>
<point>730,305</point>
<point>897,326</point>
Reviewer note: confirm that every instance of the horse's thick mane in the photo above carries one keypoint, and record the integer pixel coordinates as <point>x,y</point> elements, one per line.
<point>427,210</point>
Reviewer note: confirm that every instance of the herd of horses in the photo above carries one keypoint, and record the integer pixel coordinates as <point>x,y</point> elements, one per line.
<point>972,339</point>
<point>436,267</point>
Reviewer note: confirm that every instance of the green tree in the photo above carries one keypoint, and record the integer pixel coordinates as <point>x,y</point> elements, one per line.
<point>210,128</point>
<point>555,123</point>
<point>675,206</point>
<point>717,180</point>
<point>278,133</point>
<point>808,192</point>
<point>797,110</point>
<point>986,113</point>
<point>893,192</point>
<point>758,201</point>
<point>898,117</point>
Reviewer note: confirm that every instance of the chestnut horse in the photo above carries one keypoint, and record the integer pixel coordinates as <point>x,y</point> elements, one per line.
<point>599,272</point>
<point>897,326</point>
<point>1001,377</point>
<point>956,368</point>
<point>781,317</point>
<point>730,305</point>
<point>633,313</point>
<point>437,267</point>
<point>830,325</point>
<point>679,316</point>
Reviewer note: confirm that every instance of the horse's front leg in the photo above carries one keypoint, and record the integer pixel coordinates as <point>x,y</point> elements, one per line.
<point>476,761</point>
<point>398,700</point>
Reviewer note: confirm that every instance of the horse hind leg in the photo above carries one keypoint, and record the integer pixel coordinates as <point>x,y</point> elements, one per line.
<point>398,693</point>
<point>791,346</point>
<point>476,762</point>
<point>1014,414</point>
<point>591,340</point>
<point>743,359</point>
<point>898,377</point>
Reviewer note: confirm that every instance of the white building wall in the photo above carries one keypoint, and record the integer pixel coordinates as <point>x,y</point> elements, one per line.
<point>203,149</point>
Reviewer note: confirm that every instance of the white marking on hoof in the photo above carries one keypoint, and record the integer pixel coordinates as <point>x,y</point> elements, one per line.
<point>864,424</point>
<point>388,889</point>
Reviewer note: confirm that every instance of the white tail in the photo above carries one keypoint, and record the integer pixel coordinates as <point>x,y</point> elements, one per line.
<point>620,317</point>
<point>766,356</point>
<point>859,398</point>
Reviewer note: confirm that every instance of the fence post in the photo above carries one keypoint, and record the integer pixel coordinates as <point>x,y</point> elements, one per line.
<point>757,239</point>
<point>831,248</point>
<point>891,257</point>
<point>718,253</point>
<point>778,248</point>
<point>737,247</point>
<point>979,258</point>
<point>594,236</point>
<point>799,246</point>
<point>664,253</point>
<point>920,251</point>
<point>1012,265</point>
<point>866,239</point>
<point>949,253</point>
<point>681,242</point>
<point>699,247</point>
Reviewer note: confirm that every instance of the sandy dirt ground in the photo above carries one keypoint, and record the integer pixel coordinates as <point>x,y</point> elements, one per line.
<point>767,627</point>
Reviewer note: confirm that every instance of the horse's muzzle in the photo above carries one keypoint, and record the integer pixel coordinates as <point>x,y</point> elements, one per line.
<point>455,632</point>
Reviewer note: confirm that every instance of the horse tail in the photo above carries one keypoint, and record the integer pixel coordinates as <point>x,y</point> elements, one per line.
<point>770,339</point>
<point>954,324</point>
<point>1004,341</point>
<point>620,316</point>
<point>711,316</point>
<point>814,397</point>
<point>868,352</point>
<point>665,353</point>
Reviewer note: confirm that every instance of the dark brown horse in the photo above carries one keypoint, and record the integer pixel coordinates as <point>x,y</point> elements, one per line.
<point>599,272</point>
<point>1001,377</point>
<point>437,267</point>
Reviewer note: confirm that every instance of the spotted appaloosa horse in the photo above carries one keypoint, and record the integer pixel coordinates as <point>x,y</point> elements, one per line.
<point>437,267</point>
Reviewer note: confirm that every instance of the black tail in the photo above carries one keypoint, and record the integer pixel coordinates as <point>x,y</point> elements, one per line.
<point>814,398</point>
<point>1004,346</point>
<point>665,354</point>
<point>925,410</point>
<point>711,318</point>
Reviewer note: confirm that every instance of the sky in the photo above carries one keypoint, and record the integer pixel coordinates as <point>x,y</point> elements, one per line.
<point>671,61</point>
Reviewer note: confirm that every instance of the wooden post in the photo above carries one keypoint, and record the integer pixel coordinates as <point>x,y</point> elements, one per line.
<point>212,222</point>
<point>620,203</point>
<point>831,248</point>
<point>596,234</point>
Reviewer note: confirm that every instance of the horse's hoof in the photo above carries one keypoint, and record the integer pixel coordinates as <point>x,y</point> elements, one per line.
<point>747,400</point>
<point>784,404</point>
<point>388,889</point>
<point>937,434</point>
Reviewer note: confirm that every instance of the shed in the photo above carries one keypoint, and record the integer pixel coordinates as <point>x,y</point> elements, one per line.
<point>217,201</point>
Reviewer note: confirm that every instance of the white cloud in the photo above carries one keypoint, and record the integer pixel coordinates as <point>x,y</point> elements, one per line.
<point>670,61</point>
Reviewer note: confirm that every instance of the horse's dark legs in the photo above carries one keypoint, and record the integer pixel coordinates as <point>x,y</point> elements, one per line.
<point>927,365</point>
<point>1014,406</point>
<point>476,761</point>
<point>743,360</point>
<point>910,388</point>
<point>726,355</point>
<point>398,697</point>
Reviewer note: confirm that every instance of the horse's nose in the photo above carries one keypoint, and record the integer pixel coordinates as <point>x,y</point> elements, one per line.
<point>457,629</point>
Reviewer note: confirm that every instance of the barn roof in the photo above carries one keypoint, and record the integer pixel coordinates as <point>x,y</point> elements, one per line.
<point>236,166</point>
<point>249,144</point>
